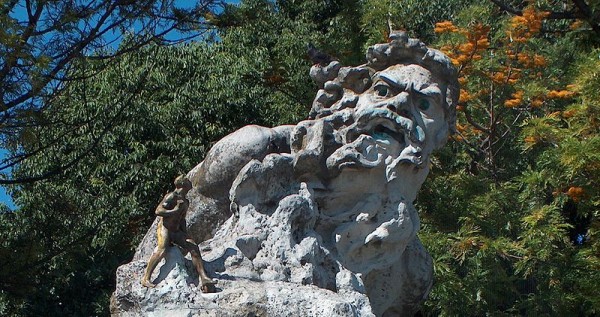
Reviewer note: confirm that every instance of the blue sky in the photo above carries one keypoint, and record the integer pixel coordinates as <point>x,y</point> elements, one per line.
<point>4,198</point>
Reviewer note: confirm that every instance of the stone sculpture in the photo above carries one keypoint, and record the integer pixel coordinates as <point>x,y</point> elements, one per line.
<point>172,230</point>
<point>317,219</point>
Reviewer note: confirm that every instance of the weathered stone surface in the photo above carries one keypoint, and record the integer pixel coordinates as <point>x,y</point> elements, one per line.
<point>315,219</point>
<point>177,294</point>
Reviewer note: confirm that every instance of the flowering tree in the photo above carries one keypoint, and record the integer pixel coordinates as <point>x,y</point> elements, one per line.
<point>511,216</point>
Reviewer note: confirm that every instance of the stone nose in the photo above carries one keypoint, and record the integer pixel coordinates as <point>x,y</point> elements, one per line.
<point>400,104</point>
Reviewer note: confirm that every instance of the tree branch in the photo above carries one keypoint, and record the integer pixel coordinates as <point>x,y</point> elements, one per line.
<point>96,140</point>
<point>472,122</point>
<point>589,15</point>
<point>583,12</point>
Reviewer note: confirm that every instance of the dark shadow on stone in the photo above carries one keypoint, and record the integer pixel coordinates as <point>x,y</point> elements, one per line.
<point>172,256</point>
<point>218,265</point>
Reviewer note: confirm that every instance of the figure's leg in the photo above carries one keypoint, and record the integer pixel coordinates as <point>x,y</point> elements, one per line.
<point>163,241</point>
<point>198,262</point>
<point>154,259</point>
<point>207,284</point>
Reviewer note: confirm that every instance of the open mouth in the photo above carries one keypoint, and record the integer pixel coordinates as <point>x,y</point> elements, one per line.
<point>381,120</point>
<point>397,134</point>
<point>382,133</point>
<point>383,127</point>
<point>379,137</point>
<point>394,140</point>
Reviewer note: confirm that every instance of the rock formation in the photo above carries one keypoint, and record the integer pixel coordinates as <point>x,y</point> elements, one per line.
<point>315,219</point>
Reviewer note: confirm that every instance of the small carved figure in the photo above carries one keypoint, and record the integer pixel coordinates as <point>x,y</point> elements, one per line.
<point>172,230</point>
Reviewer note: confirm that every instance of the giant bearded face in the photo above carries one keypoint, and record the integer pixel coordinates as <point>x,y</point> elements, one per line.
<point>375,126</point>
<point>405,106</point>
<point>399,119</point>
<point>398,122</point>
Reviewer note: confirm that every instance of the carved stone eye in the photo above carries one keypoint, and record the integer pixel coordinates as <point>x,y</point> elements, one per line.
<point>382,90</point>
<point>423,104</point>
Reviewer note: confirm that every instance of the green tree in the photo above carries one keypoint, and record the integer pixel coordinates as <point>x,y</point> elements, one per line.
<point>74,229</point>
<point>41,41</point>
<point>280,31</point>
<point>379,16</point>
<point>133,127</point>
<point>509,211</point>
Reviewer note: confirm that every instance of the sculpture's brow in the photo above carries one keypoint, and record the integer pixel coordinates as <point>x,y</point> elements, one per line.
<point>391,82</point>
<point>429,90</point>
<point>432,91</point>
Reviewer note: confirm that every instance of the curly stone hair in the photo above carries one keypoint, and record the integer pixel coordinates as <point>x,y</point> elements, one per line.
<point>399,50</point>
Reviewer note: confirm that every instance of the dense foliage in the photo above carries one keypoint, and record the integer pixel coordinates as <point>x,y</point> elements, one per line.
<point>42,41</point>
<point>510,211</point>
<point>130,129</point>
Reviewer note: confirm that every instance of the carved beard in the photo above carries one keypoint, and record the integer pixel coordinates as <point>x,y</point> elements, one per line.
<point>377,238</point>
<point>375,226</point>
<point>368,220</point>
<point>379,137</point>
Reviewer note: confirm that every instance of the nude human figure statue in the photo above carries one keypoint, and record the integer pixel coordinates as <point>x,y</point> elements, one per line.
<point>172,230</point>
